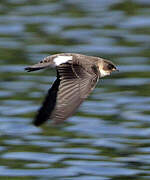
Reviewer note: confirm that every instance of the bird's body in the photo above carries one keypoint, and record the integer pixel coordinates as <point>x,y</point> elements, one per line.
<point>77,76</point>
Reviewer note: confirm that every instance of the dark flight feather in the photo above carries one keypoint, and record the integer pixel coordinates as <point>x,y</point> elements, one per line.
<point>71,87</point>
<point>48,105</point>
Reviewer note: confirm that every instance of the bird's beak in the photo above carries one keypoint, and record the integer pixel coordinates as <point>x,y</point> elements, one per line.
<point>115,69</point>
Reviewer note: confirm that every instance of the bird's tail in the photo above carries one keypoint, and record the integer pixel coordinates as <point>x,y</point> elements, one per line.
<point>46,62</point>
<point>36,67</point>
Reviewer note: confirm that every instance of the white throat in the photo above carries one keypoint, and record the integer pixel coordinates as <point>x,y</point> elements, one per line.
<point>104,73</point>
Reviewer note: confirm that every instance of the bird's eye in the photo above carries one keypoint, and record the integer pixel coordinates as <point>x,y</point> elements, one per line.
<point>110,66</point>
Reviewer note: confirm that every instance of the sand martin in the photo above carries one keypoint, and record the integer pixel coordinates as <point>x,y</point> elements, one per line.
<point>77,76</point>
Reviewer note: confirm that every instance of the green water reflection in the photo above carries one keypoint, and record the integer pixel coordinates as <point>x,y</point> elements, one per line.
<point>108,138</point>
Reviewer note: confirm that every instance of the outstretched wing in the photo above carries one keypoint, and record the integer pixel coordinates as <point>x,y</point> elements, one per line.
<point>72,86</point>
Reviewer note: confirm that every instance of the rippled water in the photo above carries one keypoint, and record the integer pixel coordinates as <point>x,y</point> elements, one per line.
<point>109,137</point>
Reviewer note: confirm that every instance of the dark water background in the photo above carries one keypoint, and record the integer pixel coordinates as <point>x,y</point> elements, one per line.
<point>109,137</point>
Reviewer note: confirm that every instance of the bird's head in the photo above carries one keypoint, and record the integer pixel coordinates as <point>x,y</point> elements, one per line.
<point>106,68</point>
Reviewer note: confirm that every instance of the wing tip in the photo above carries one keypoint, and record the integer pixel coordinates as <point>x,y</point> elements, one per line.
<point>37,122</point>
<point>41,117</point>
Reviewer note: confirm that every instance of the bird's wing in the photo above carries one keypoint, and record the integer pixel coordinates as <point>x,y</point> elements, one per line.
<point>72,86</point>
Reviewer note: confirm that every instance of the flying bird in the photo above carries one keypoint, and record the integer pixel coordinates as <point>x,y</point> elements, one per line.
<point>77,76</point>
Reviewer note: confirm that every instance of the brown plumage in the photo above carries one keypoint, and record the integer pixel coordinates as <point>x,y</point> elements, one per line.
<point>77,76</point>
